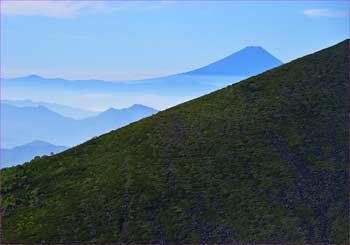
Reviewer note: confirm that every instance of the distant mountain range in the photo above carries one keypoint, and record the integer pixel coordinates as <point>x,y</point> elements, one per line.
<point>64,110</point>
<point>27,152</point>
<point>161,92</point>
<point>21,125</point>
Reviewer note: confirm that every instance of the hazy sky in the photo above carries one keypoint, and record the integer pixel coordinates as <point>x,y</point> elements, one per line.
<point>118,40</point>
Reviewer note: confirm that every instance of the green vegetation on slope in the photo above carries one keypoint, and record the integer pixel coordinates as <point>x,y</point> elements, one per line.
<point>262,161</point>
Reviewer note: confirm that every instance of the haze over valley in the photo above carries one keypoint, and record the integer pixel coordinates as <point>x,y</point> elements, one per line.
<point>39,116</point>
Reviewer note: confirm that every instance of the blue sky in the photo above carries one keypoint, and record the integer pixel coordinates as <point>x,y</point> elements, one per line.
<point>132,40</point>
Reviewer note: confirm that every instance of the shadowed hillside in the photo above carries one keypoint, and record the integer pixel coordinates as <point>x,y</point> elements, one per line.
<point>262,161</point>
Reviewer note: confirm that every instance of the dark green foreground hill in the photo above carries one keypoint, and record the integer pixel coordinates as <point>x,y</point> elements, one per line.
<point>262,161</point>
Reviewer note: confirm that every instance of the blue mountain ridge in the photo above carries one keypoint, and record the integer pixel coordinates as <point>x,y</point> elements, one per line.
<point>68,111</point>
<point>26,152</point>
<point>21,125</point>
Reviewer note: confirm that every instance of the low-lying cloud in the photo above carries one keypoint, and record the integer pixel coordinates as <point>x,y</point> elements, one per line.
<point>324,13</point>
<point>44,8</point>
<point>71,9</point>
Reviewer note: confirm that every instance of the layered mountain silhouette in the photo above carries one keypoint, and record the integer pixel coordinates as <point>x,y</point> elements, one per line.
<point>174,89</point>
<point>21,125</point>
<point>27,152</point>
<point>64,110</point>
<point>262,161</point>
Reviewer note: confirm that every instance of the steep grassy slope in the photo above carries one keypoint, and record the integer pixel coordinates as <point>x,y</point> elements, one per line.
<point>265,160</point>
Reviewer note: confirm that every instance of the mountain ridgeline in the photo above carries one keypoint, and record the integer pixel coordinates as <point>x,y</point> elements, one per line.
<point>246,62</point>
<point>66,111</point>
<point>21,125</point>
<point>262,161</point>
<point>27,152</point>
